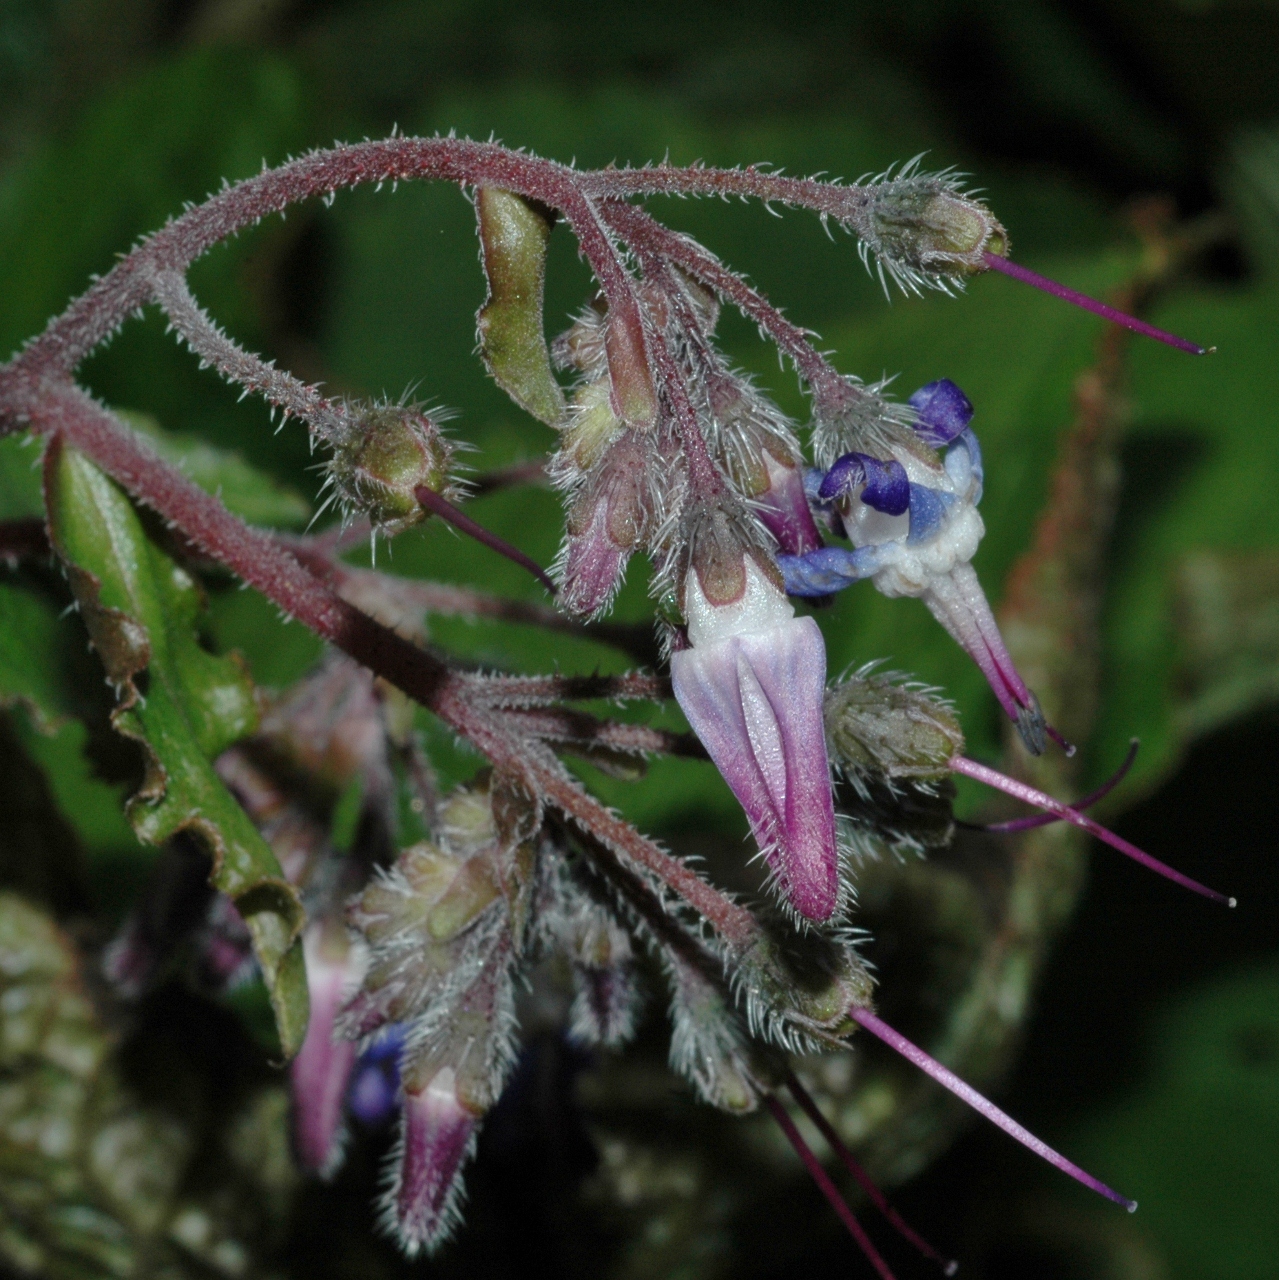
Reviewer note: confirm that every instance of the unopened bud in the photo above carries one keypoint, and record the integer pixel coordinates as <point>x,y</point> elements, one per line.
<point>606,998</point>
<point>802,990</point>
<point>437,1139</point>
<point>391,451</point>
<point>720,538</point>
<point>593,427</point>
<point>608,520</point>
<point>923,228</point>
<point>876,725</point>
<point>754,445</point>
<point>709,1046</point>
<point>581,346</point>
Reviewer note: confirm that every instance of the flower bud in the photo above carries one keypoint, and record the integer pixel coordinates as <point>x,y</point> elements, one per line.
<point>709,1046</point>
<point>608,520</point>
<point>876,725</point>
<point>802,993</point>
<point>605,999</point>
<point>318,1075</point>
<point>389,452</point>
<point>849,417</point>
<point>923,229</point>
<point>754,445</point>
<point>437,1138</point>
<point>581,346</point>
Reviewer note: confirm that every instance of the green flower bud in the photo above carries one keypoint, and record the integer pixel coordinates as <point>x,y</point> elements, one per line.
<point>879,727</point>
<point>390,452</point>
<point>922,227</point>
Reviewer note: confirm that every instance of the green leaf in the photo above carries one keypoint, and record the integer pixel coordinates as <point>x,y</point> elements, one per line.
<point>513,240</point>
<point>183,704</point>
<point>249,492</point>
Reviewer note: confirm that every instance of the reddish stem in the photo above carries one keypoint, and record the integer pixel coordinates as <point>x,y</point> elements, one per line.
<point>644,233</point>
<point>265,564</point>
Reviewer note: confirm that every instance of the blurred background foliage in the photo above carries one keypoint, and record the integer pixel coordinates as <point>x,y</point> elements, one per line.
<point>1153,1049</point>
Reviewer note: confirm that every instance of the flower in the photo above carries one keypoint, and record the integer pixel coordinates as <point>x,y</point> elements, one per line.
<point>914,526</point>
<point>318,1075</point>
<point>751,685</point>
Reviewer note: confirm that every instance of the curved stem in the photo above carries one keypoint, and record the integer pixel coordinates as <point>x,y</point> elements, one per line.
<point>330,419</point>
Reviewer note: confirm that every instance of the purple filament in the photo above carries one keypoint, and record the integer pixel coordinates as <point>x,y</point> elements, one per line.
<point>983,1106</point>
<point>1043,819</point>
<point>1041,799</point>
<point>827,1187</point>
<point>443,508</point>
<point>1026,276</point>
<point>862,1178</point>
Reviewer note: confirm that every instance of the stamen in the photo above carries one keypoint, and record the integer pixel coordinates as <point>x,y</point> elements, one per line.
<point>1026,276</point>
<point>983,1106</point>
<point>863,1179</point>
<point>827,1187</point>
<point>1012,787</point>
<point>447,511</point>
<point>1044,819</point>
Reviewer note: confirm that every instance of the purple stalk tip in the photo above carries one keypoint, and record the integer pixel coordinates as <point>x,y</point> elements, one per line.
<point>1042,800</point>
<point>1033,278</point>
<point>983,1106</point>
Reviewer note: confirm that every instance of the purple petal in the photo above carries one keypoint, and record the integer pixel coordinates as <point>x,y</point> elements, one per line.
<point>830,569</point>
<point>438,1136</point>
<point>944,411</point>
<point>886,487</point>
<point>593,567</point>
<point>319,1073</point>
<point>958,602</point>
<point>755,701</point>
<point>375,1085</point>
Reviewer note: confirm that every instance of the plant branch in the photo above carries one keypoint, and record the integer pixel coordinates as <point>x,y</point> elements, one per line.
<point>330,419</point>
<point>643,233</point>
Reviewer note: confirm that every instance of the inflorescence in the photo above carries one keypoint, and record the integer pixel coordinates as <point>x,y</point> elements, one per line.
<point>413,954</point>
